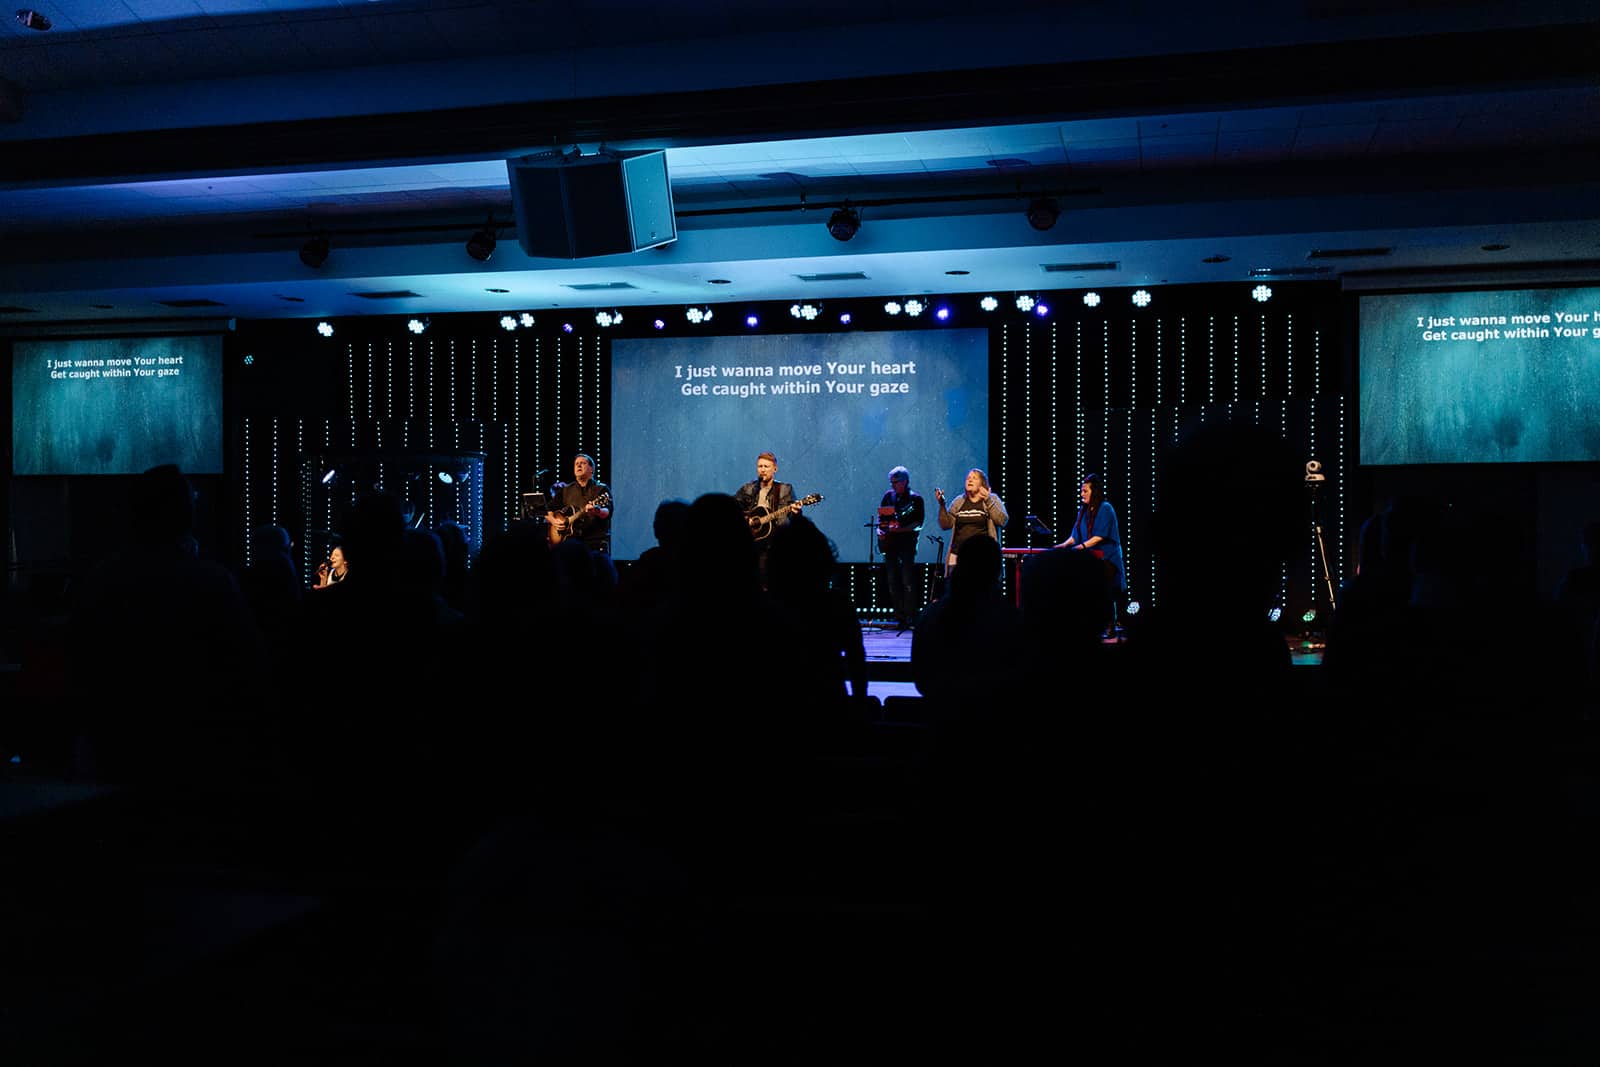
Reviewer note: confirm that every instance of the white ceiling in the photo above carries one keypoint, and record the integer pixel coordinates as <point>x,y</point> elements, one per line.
<point>1433,172</point>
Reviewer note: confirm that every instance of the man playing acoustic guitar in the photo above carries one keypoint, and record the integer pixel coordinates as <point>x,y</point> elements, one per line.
<point>582,508</point>
<point>770,501</point>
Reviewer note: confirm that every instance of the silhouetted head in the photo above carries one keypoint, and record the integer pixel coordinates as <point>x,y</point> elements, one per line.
<point>374,531</point>
<point>801,561</point>
<point>161,506</point>
<point>1230,509</point>
<point>717,556</point>
<point>669,520</point>
<point>270,538</point>
<point>977,568</point>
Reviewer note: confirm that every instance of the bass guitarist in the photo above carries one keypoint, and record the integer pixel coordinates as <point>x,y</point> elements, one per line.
<point>582,508</point>
<point>900,518</point>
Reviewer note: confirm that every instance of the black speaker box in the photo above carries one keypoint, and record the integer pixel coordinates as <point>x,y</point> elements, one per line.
<point>575,207</point>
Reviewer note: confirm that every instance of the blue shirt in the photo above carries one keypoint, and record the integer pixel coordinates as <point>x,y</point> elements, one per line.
<point>1105,528</point>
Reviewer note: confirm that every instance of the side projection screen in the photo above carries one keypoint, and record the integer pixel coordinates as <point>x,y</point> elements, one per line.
<point>1505,376</point>
<point>117,405</point>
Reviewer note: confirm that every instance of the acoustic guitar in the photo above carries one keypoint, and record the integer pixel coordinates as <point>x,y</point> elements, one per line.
<point>566,520</point>
<point>762,520</point>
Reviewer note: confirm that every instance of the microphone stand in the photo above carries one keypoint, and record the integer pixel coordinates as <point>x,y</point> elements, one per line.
<point>1315,480</point>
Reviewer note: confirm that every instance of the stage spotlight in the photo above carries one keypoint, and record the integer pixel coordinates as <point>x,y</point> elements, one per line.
<point>508,322</point>
<point>1133,607</point>
<point>526,318</point>
<point>1141,299</point>
<point>1309,617</point>
<point>844,318</point>
<point>417,325</point>
<point>1025,302</point>
<point>752,321</point>
<point>480,246</point>
<point>697,315</point>
<point>844,223</point>
<point>1261,294</point>
<point>457,476</point>
<point>804,311</point>
<point>1274,613</point>
<point>1091,300</point>
<point>660,324</point>
<point>915,308</point>
<point>608,318</point>
<point>314,253</point>
<point>1041,309</point>
<point>447,478</point>
<point>329,475</point>
<point>566,327</point>
<point>988,303</point>
<point>892,308</point>
<point>942,314</point>
<point>325,328</point>
<point>1043,212</point>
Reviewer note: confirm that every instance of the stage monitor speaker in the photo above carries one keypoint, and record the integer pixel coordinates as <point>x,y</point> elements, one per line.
<point>574,207</point>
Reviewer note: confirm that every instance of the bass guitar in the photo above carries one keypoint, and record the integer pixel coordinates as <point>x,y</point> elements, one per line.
<point>564,525</point>
<point>894,526</point>
<point>762,520</point>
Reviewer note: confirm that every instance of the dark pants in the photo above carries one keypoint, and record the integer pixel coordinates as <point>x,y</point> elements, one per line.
<point>900,571</point>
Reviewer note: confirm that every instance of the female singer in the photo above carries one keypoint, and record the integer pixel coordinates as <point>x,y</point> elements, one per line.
<point>977,511</point>
<point>333,569</point>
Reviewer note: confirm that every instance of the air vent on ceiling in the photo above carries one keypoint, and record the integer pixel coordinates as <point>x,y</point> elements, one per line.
<point>1347,253</point>
<point>17,311</point>
<point>1076,268</point>
<point>391,294</point>
<point>1286,272</point>
<point>835,276</point>
<point>594,287</point>
<point>189,303</point>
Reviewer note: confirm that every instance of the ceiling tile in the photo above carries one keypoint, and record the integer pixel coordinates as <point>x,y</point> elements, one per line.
<point>1340,114</point>
<point>1125,150</point>
<point>1090,130</point>
<point>165,10</point>
<point>1329,140</point>
<point>1178,125</point>
<point>1246,145</point>
<point>1263,118</point>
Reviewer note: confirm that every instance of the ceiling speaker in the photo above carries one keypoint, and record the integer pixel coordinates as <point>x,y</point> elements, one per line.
<point>575,207</point>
